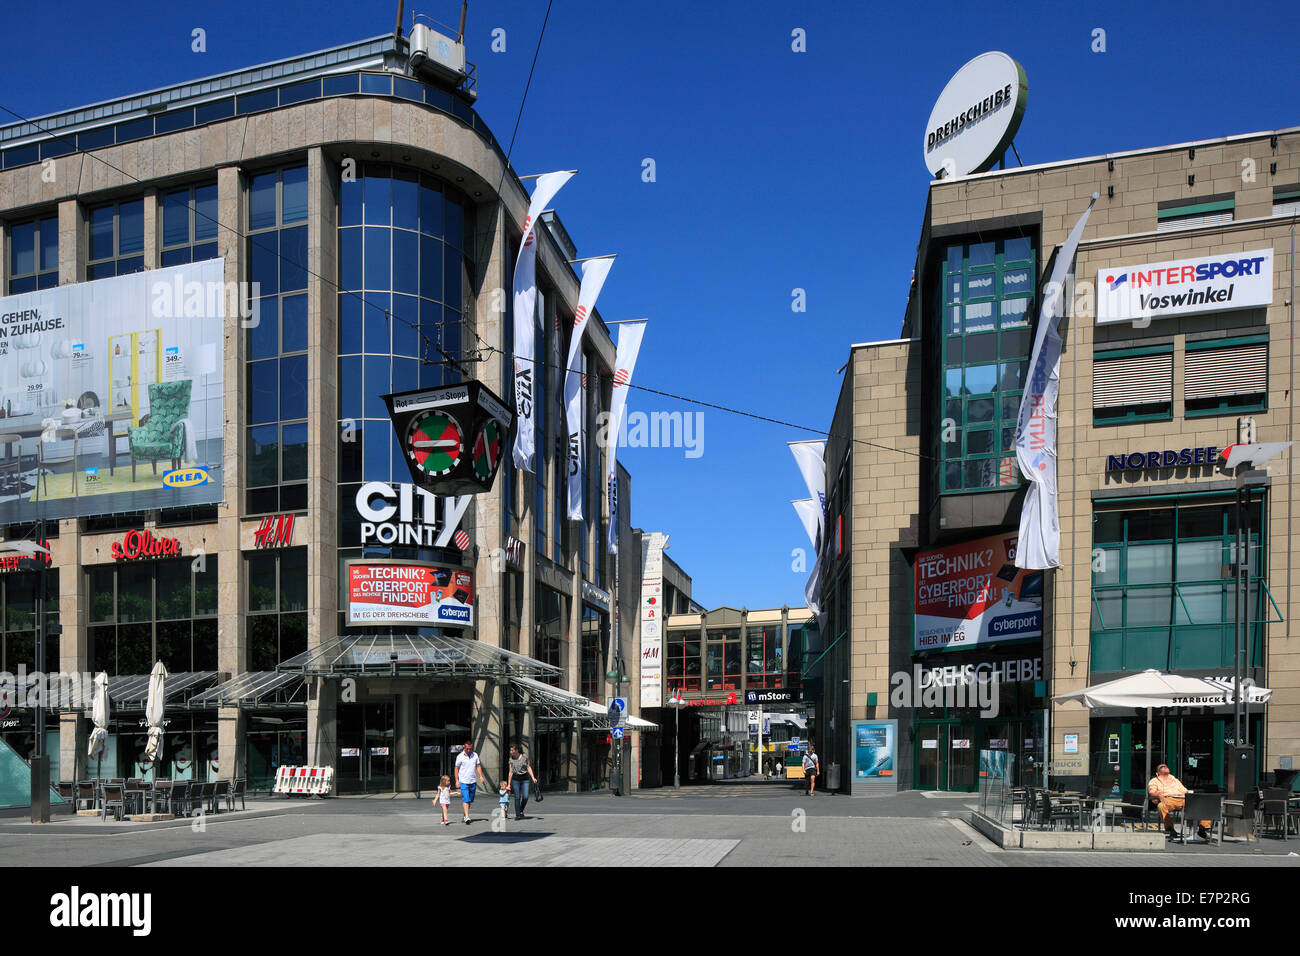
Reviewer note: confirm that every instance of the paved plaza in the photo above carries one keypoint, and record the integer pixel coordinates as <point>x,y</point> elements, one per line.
<point>728,824</point>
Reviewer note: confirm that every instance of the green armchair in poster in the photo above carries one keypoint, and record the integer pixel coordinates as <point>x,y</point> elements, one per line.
<point>161,434</point>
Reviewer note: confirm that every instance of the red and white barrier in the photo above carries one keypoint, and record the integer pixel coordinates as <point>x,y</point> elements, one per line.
<point>312,781</point>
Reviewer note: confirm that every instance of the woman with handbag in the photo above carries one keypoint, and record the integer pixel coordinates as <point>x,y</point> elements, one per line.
<point>521,774</point>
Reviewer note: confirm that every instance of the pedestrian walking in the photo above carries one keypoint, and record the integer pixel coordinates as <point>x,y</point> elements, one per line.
<point>521,775</point>
<point>812,766</point>
<point>443,799</point>
<point>503,798</point>
<point>469,774</point>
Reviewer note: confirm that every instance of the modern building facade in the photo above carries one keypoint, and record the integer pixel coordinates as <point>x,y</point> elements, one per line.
<point>726,664</point>
<point>363,198</point>
<point>1178,343</point>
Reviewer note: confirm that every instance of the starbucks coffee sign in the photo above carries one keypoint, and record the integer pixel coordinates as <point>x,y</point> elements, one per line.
<point>976,116</point>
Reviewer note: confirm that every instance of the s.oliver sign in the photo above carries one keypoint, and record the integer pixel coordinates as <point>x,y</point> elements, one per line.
<point>1218,283</point>
<point>143,544</point>
<point>409,592</point>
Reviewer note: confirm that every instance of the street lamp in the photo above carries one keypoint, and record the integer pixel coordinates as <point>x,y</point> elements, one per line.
<point>676,702</point>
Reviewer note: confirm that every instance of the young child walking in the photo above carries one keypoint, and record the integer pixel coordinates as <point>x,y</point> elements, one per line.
<point>503,798</point>
<point>443,799</point>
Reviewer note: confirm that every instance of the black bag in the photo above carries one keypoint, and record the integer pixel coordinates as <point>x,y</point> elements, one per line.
<point>537,792</point>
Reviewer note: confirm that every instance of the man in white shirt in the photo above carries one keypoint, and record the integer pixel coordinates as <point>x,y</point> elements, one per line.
<point>467,766</point>
<point>812,766</point>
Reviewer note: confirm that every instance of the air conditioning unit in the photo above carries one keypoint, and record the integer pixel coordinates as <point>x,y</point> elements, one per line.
<point>436,55</point>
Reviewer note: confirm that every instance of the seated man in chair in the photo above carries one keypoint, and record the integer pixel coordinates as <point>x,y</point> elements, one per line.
<point>1168,793</point>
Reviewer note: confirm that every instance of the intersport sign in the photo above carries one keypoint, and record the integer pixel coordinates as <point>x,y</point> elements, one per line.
<point>1218,283</point>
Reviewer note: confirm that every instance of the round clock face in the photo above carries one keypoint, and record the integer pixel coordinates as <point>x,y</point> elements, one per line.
<point>434,442</point>
<point>487,449</point>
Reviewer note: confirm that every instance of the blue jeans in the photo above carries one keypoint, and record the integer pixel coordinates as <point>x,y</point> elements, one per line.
<point>520,788</point>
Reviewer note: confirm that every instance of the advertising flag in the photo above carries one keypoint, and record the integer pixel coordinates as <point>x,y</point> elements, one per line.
<point>1040,528</point>
<point>629,346</point>
<point>594,272</point>
<point>810,456</point>
<point>810,514</point>
<point>525,301</point>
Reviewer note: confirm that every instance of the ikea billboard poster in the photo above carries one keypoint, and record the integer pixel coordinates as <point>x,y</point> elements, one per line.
<point>111,394</point>
<point>972,593</point>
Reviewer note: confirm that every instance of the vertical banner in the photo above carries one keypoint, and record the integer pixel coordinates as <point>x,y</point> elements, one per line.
<point>594,272</point>
<point>629,346</point>
<point>1040,528</point>
<point>652,613</point>
<point>525,301</point>
<point>810,514</point>
<point>810,456</point>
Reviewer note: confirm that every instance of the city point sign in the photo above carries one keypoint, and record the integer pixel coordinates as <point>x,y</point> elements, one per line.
<point>406,514</point>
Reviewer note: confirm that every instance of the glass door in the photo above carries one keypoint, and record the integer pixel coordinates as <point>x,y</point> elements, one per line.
<point>963,756</point>
<point>379,758</point>
<point>931,741</point>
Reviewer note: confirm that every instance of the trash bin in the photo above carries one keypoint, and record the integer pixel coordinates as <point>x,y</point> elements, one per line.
<point>832,777</point>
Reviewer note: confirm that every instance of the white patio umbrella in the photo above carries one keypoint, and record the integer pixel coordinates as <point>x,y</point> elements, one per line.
<point>99,714</point>
<point>1153,689</point>
<point>153,711</point>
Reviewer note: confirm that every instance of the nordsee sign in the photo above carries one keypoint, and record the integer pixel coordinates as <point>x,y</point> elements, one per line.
<point>1166,458</point>
<point>1218,283</point>
<point>976,116</point>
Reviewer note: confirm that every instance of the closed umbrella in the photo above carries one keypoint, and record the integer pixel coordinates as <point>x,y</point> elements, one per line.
<point>153,711</point>
<point>99,714</point>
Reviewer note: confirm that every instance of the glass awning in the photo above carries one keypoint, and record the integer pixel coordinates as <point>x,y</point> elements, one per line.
<point>255,689</point>
<point>553,704</point>
<point>131,691</point>
<point>407,655</point>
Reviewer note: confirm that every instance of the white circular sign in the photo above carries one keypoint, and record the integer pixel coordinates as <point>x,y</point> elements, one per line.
<point>976,116</point>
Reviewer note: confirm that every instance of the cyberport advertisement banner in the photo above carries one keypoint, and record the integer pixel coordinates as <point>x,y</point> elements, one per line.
<point>97,377</point>
<point>409,592</point>
<point>972,594</point>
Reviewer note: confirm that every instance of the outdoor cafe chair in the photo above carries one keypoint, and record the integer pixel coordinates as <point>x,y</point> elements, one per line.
<point>200,796</point>
<point>1276,806</point>
<point>115,800</point>
<point>1198,806</point>
<point>89,792</point>
<point>161,795</point>
<point>220,795</point>
<point>180,798</point>
<point>237,788</point>
<point>1052,812</point>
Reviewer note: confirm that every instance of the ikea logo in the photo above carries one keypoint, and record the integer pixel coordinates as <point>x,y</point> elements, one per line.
<point>185,478</point>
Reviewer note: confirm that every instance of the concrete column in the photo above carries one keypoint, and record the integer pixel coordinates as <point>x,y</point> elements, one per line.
<point>232,647</point>
<point>152,239</point>
<point>489,728</point>
<point>406,743</point>
<point>72,242</point>
<point>73,740</point>
<point>231,757</point>
<point>322,723</point>
<point>572,757</point>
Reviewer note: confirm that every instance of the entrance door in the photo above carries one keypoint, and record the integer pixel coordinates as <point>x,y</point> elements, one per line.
<point>963,757</point>
<point>931,742</point>
<point>366,750</point>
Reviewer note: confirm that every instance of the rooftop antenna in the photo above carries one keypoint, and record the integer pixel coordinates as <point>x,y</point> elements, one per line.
<point>397,29</point>
<point>460,34</point>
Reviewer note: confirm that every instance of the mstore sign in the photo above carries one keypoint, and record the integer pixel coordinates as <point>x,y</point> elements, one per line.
<point>408,592</point>
<point>972,593</point>
<point>142,544</point>
<point>1218,283</point>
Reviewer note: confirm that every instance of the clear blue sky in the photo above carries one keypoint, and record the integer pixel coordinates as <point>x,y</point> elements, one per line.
<point>775,170</point>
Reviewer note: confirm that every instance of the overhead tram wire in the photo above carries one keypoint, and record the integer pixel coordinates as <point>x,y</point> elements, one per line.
<point>449,360</point>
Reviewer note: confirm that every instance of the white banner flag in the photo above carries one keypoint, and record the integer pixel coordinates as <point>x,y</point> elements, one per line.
<point>812,590</point>
<point>629,346</point>
<point>810,456</point>
<point>525,301</point>
<point>810,514</point>
<point>594,272</point>
<point>1040,527</point>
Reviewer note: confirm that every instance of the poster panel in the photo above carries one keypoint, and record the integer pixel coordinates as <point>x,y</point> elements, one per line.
<point>411,593</point>
<point>111,394</point>
<point>972,593</point>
